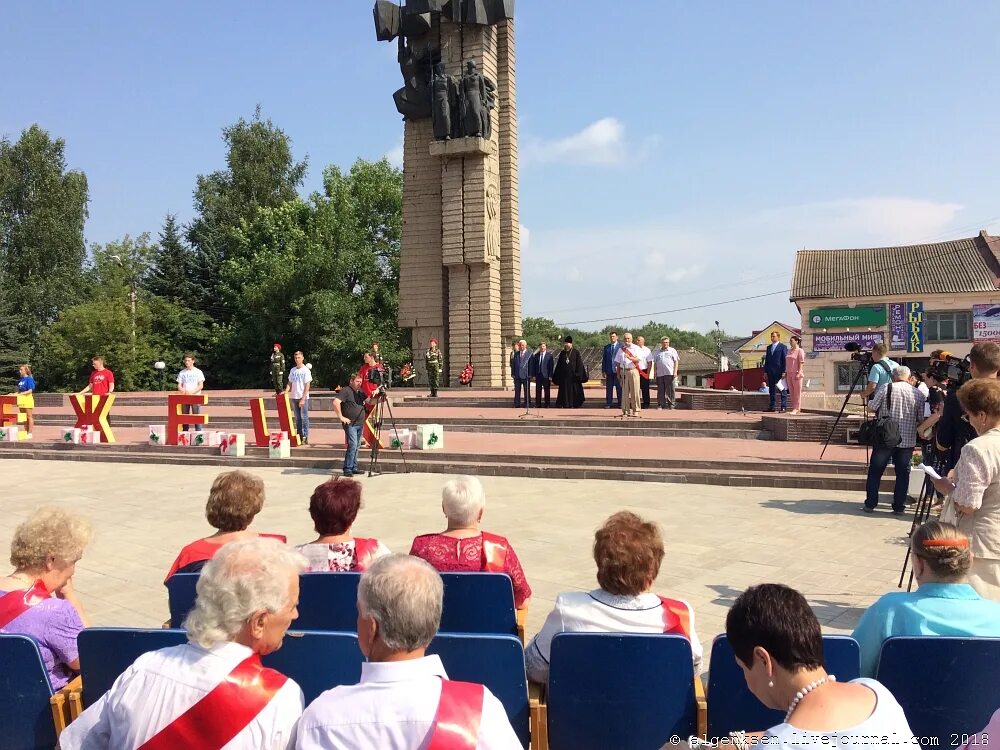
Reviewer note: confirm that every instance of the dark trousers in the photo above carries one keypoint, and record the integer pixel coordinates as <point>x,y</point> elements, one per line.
<point>881,457</point>
<point>644,389</point>
<point>772,389</point>
<point>192,409</point>
<point>542,385</point>
<point>665,391</point>
<point>612,383</point>
<point>521,385</point>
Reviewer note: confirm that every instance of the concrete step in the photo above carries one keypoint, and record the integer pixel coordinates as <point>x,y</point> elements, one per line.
<point>834,476</point>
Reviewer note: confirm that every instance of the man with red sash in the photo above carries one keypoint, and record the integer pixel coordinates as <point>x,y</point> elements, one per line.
<point>405,700</point>
<point>212,692</point>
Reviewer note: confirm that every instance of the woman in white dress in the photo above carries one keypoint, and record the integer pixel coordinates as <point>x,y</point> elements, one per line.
<point>778,644</point>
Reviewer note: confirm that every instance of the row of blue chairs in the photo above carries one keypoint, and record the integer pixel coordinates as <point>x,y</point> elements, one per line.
<point>605,690</point>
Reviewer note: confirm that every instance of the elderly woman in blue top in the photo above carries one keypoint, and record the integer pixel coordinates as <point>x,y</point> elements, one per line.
<point>943,604</point>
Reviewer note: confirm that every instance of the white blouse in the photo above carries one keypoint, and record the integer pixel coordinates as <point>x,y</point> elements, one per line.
<point>598,611</point>
<point>162,685</point>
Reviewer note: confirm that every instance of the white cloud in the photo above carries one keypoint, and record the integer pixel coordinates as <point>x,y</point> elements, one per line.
<point>395,155</point>
<point>525,239</point>
<point>600,143</point>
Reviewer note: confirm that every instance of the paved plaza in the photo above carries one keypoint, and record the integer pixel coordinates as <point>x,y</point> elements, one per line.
<point>719,540</point>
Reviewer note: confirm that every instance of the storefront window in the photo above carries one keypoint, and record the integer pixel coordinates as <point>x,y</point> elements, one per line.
<point>846,372</point>
<point>948,326</point>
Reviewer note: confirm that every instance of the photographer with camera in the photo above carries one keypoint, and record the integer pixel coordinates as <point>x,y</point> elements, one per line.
<point>897,424</point>
<point>881,371</point>
<point>349,404</point>
<point>953,429</point>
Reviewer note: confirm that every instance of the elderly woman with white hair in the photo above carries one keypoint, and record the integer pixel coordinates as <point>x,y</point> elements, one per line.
<point>904,406</point>
<point>37,599</point>
<point>214,687</point>
<point>463,546</point>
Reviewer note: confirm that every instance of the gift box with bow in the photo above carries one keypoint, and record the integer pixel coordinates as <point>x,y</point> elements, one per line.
<point>9,434</point>
<point>71,435</point>
<point>90,437</point>
<point>233,444</point>
<point>157,434</point>
<point>430,437</point>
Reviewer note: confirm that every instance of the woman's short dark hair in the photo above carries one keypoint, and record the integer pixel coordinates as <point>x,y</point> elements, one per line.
<point>779,620</point>
<point>334,505</point>
<point>628,552</point>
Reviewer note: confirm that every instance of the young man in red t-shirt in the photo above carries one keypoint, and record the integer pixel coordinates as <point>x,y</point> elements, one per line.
<point>102,380</point>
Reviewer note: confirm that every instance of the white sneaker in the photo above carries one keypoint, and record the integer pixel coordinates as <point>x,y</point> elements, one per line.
<point>28,436</point>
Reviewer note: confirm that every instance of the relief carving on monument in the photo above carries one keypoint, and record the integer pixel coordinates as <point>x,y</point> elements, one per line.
<point>493,222</point>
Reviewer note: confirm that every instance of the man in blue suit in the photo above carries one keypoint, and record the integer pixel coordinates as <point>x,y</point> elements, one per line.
<point>774,369</point>
<point>520,358</point>
<point>540,370</point>
<point>611,381</point>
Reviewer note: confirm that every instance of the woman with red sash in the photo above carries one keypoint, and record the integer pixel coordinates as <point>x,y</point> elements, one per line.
<point>212,692</point>
<point>628,552</point>
<point>334,507</point>
<point>234,501</point>
<point>38,598</point>
<point>463,546</point>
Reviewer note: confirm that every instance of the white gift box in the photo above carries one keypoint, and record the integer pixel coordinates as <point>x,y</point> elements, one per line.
<point>9,434</point>
<point>197,438</point>
<point>184,438</point>
<point>430,437</point>
<point>233,444</point>
<point>157,434</point>
<point>283,449</point>
<point>215,438</point>
<point>71,435</point>
<point>90,437</point>
<point>404,438</point>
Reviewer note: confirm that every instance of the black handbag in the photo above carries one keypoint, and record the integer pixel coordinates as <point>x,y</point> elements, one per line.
<point>882,431</point>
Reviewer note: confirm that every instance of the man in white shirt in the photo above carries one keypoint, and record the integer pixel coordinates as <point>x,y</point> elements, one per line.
<point>645,360</point>
<point>297,389</point>
<point>402,692</point>
<point>247,597</point>
<point>190,381</point>
<point>627,366</point>
<point>666,365</point>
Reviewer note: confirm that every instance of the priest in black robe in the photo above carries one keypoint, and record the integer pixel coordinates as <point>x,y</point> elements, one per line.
<point>570,375</point>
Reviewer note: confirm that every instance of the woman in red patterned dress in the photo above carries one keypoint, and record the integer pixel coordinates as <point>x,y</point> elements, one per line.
<point>334,506</point>
<point>463,546</point>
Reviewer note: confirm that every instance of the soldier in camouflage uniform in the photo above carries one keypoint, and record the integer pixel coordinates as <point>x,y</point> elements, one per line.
<point>435,364</point>
<point>278,369</point>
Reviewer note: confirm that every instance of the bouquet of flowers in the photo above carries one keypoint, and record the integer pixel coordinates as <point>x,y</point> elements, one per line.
<point>406,372</point>
<point>468,372</point>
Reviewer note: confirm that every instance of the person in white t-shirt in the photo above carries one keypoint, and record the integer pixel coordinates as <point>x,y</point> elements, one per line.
<point>666,364</point>
<point>297,389</point>
<point>778,643</point>
<point>190,381</point>
<point>646,359</point>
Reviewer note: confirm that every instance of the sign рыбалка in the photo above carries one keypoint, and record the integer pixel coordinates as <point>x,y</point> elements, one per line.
<point>847,317</point>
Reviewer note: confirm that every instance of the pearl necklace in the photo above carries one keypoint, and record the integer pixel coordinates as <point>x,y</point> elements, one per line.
<point>805,691</point>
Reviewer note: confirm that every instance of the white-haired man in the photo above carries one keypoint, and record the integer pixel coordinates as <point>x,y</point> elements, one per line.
<point>405,699</point>
<point>904,406</point>
<point>212,688</point>
<point>628,364</point>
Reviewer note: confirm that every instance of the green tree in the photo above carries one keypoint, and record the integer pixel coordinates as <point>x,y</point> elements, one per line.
<point>174,267</point>
<point>43,207</point>
<point>320,275</point>
<point>261,172</point>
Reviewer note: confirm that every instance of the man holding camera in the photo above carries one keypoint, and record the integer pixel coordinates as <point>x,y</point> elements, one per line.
<point>349,403</point>
<point>953,429</point>
<point>881,371</point>
<point>904,406</point>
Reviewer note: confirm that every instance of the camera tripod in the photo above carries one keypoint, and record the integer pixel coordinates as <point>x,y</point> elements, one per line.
<point>920,515</point>
<point>862,376</point>
<point>382,406</point>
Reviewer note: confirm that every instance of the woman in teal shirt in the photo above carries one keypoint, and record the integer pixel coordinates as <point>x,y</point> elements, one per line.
<point>943,604</point>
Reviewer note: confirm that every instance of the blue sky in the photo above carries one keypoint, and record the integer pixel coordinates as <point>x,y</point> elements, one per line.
<point>673,154</point>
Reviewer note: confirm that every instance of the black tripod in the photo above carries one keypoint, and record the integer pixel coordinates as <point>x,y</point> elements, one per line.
<point>920,515</point>
<point>382,405</point>
<point>860,377</point>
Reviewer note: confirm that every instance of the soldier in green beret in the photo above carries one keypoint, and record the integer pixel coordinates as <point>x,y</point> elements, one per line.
<point>435,364</point>
<point>278,369</point>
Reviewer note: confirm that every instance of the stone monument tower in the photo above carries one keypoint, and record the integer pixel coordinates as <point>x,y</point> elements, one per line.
<point>460,265</point>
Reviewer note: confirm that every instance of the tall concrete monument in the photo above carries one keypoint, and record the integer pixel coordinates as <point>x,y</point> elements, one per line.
<point>460,266</point>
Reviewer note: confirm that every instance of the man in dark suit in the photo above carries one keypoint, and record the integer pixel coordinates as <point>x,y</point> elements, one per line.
<point>774,369</point>
<point>520,358</point>
<point>611,381</point>
<point>540,370</point>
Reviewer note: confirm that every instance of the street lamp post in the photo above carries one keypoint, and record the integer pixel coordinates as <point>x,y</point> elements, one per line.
<point>131,295</point>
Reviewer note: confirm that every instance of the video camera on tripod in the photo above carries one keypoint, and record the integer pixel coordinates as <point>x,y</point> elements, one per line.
<point>858,354</point>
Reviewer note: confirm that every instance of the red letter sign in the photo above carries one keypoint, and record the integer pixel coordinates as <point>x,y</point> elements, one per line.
<point>177,421</point>
<point>93,411</point>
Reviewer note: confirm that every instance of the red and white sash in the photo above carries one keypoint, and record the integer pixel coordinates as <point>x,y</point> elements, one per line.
<point>365,552</point>
<point>459,713</point>
<point>676,617</point>
<point>13,604</point>
<point>494,553</point>
<point>212,722</point>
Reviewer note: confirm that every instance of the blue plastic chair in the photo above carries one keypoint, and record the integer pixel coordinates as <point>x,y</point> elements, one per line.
<point>731,705</point>
<point>180,596</point>
<point>478,603</point>
<point>946,686</point>
<point>496,661</point>
<point>26,718</point>
<point>622,691</point>
<point>328,601</point>
<point>317,661</point>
